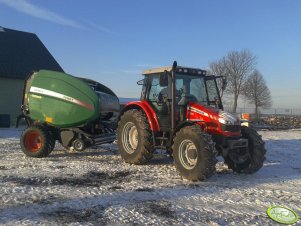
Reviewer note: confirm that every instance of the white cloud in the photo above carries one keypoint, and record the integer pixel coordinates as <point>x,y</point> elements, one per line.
<point>28,8</point>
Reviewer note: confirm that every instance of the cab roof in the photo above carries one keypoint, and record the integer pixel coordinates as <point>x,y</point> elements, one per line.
<point>180,69</point>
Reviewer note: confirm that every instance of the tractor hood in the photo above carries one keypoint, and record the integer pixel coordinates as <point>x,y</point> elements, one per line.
<point>223,117</point>
<point>216,120</point>
<point>200,112</point>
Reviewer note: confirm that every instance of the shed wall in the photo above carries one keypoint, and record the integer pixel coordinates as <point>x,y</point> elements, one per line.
<point>11,93</point>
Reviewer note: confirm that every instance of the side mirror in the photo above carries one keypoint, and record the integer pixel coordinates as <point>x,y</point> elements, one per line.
<point>140,82</point>
<point>224,84</point>
<point>164,79</point>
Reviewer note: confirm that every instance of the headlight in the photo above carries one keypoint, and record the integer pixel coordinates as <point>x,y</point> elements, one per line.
<point>227,118</point>
<point>222,120</point>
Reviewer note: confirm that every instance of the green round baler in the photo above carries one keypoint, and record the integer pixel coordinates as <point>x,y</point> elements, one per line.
<point>77,112</point>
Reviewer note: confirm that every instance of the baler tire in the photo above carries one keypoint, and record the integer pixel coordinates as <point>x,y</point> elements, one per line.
<point>202,165</point>
<point>79,145</point>
<point>141,151</point>
<point>256,153</point>
<point>37,142</point>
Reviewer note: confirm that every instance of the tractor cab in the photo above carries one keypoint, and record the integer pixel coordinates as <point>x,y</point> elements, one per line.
<point>191,86</point>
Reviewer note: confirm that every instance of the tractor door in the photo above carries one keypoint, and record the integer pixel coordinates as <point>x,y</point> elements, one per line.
<point>158,97</point>
<point>213,95</point>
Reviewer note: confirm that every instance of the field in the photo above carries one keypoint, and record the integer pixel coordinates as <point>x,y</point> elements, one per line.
<point>96,187</point>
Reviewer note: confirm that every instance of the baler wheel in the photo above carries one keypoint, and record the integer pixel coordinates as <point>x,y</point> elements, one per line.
<point>37,142</point>
<point>194,153</point>
<point>79,145</point>
<point>256,153</point>
<point>134,138</point>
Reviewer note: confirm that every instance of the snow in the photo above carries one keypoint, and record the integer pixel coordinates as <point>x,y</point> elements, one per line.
<point>96,187</point>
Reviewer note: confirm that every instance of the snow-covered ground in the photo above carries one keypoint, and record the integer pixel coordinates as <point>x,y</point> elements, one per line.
<point>97,188</point>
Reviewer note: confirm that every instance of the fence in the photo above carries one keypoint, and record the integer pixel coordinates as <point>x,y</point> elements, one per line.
<point>263,112</point>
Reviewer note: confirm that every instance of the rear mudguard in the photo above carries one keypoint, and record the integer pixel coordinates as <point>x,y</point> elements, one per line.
<point>147,109</point>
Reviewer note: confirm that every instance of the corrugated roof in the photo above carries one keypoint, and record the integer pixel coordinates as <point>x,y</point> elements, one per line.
<point>23,52</point>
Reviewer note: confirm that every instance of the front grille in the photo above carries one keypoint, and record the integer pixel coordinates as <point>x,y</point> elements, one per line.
<point>231,128</point>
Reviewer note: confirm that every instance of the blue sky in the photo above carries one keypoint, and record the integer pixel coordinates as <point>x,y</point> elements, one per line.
<point>113,41</point>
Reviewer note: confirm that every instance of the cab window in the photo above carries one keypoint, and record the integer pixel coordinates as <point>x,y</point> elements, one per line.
<point>156,88</point>
<point>212,90</point>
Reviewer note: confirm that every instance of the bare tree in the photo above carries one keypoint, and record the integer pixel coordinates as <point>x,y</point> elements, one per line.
<point>256,92</point>
<point>236,66</point>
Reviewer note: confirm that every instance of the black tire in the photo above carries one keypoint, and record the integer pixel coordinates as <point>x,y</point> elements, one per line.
<point>256,153</point>
<point>79,145</point>
<point>37,142</point>
<point>134,138</point>
<point>197,161</point>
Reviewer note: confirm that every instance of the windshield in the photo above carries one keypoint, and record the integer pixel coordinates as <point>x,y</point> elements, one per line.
<point>200,89</point>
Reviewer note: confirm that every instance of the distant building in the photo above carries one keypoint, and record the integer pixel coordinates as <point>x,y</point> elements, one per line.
<point>21,53</point>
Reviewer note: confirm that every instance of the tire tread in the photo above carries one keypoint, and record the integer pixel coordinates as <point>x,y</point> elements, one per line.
<point>207,146</point>
<point>46,148</point>
<point>145,153</point>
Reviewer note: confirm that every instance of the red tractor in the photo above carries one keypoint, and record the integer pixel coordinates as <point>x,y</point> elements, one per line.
<point>180,110</point>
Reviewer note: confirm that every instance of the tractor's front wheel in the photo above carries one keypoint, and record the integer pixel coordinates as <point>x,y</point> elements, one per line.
<point>255,156</point>
<point>37,142</point>
<point>134,138</point>
<point>194,153</point>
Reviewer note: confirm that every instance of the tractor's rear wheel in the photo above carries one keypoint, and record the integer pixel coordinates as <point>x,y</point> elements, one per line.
<point>256,155</point>
<point>194,153</point>
<point>134,137</point>
<point>37,142</point>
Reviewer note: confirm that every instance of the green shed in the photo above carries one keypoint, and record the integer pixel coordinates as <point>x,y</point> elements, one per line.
<point>21,53</point>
